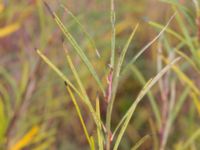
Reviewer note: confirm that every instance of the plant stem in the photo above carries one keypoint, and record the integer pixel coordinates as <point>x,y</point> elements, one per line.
<point>111,93</point>
<point>112,20</point>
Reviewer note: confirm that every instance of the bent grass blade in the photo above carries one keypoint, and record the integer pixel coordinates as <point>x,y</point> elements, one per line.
<point>127,117</point>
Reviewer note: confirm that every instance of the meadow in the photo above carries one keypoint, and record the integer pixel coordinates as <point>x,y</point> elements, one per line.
<point>99,74</point>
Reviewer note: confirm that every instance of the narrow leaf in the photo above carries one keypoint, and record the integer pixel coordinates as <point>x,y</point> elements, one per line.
<point>140,142</point>
<point>113,36</point>
<point>124,51</point>
<point>79,114</point>
<point>9,29</point>
<point>82,29</point>
<point>147,87</point>
<point>148,45</point>
<point>152,100</point>
<point>26,139</point>
<point>190,141</point>
<point>76,46</point>
<point>58,72</point>
<point>99,129</point>
<point>83,91</point>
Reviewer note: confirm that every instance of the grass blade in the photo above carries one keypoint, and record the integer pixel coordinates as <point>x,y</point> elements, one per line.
<point>99,129</point>
<point>148,45</point>
<point>180,103</point>
<point>124,51</point>
<point>75,73</point>
<point>83,91</point>
<point>9,29</point>
<point>4,122</point>
<point>58,72</point>
<point>131,110</point>
<point>140,142</point>
<point>5,98</point>
<point>185,32</point>
<point>186,11</point>
<point>189,60</point>
<point>92,143</point>
<point>152,100</point>
<point>170,31</point>
<point>196,101</point>
<point>193,137</point>
<point>116,80</point>
<point>26,139</point>
<point>184,78</point>
<point>82,29</point>
<point>79,114</point>
<point>76,47</point>
<point>24,78</point>
<point>113,36</point>
<point>7,77</point>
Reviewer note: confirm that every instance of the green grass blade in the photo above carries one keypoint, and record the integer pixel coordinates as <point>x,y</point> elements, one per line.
<point>83,91</point>
<point>42,21</point>
<point>148,45</point>
<point>76,47</point>
<point>58,72</point>
<point>175,3</point>
<point>154,136</point>
<point>82,29</point>
<point>188,59</point>
<point>183,77</point>
<point>180,103</point>
<point>6,98</point>
<point>99,129</point>
<point>24,78</point>
<point>190,141</point>
<point>4,122</point>
<point>11,81</point>
<point>124,51</point>
<point>72,67</point>
<point>79,115</point>
<point>80,52</point>
<point>123,119</point>
<point>185,32</point>
<point>152,100</point>
<point>186,11</point>
<point>168,30</point>
<point>75,73</point>
<point>144,91</point>
<point>113,36</point>
<point>116,79</point>
<point>140,142</point>
<point>92,143</point>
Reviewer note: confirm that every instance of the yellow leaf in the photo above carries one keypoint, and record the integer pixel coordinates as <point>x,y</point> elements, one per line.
<point>26,140</point>
<point>9,29</point>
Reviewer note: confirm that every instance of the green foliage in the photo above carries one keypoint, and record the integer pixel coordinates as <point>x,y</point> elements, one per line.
<point>147,92</point>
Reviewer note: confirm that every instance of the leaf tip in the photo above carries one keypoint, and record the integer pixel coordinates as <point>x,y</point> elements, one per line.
<point>49,9</point>
<point>66,84</point>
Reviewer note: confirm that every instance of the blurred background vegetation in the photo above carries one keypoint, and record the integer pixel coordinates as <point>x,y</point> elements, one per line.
<point>35,109</point>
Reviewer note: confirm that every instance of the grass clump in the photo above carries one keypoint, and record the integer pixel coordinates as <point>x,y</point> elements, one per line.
<point>105,135</point>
